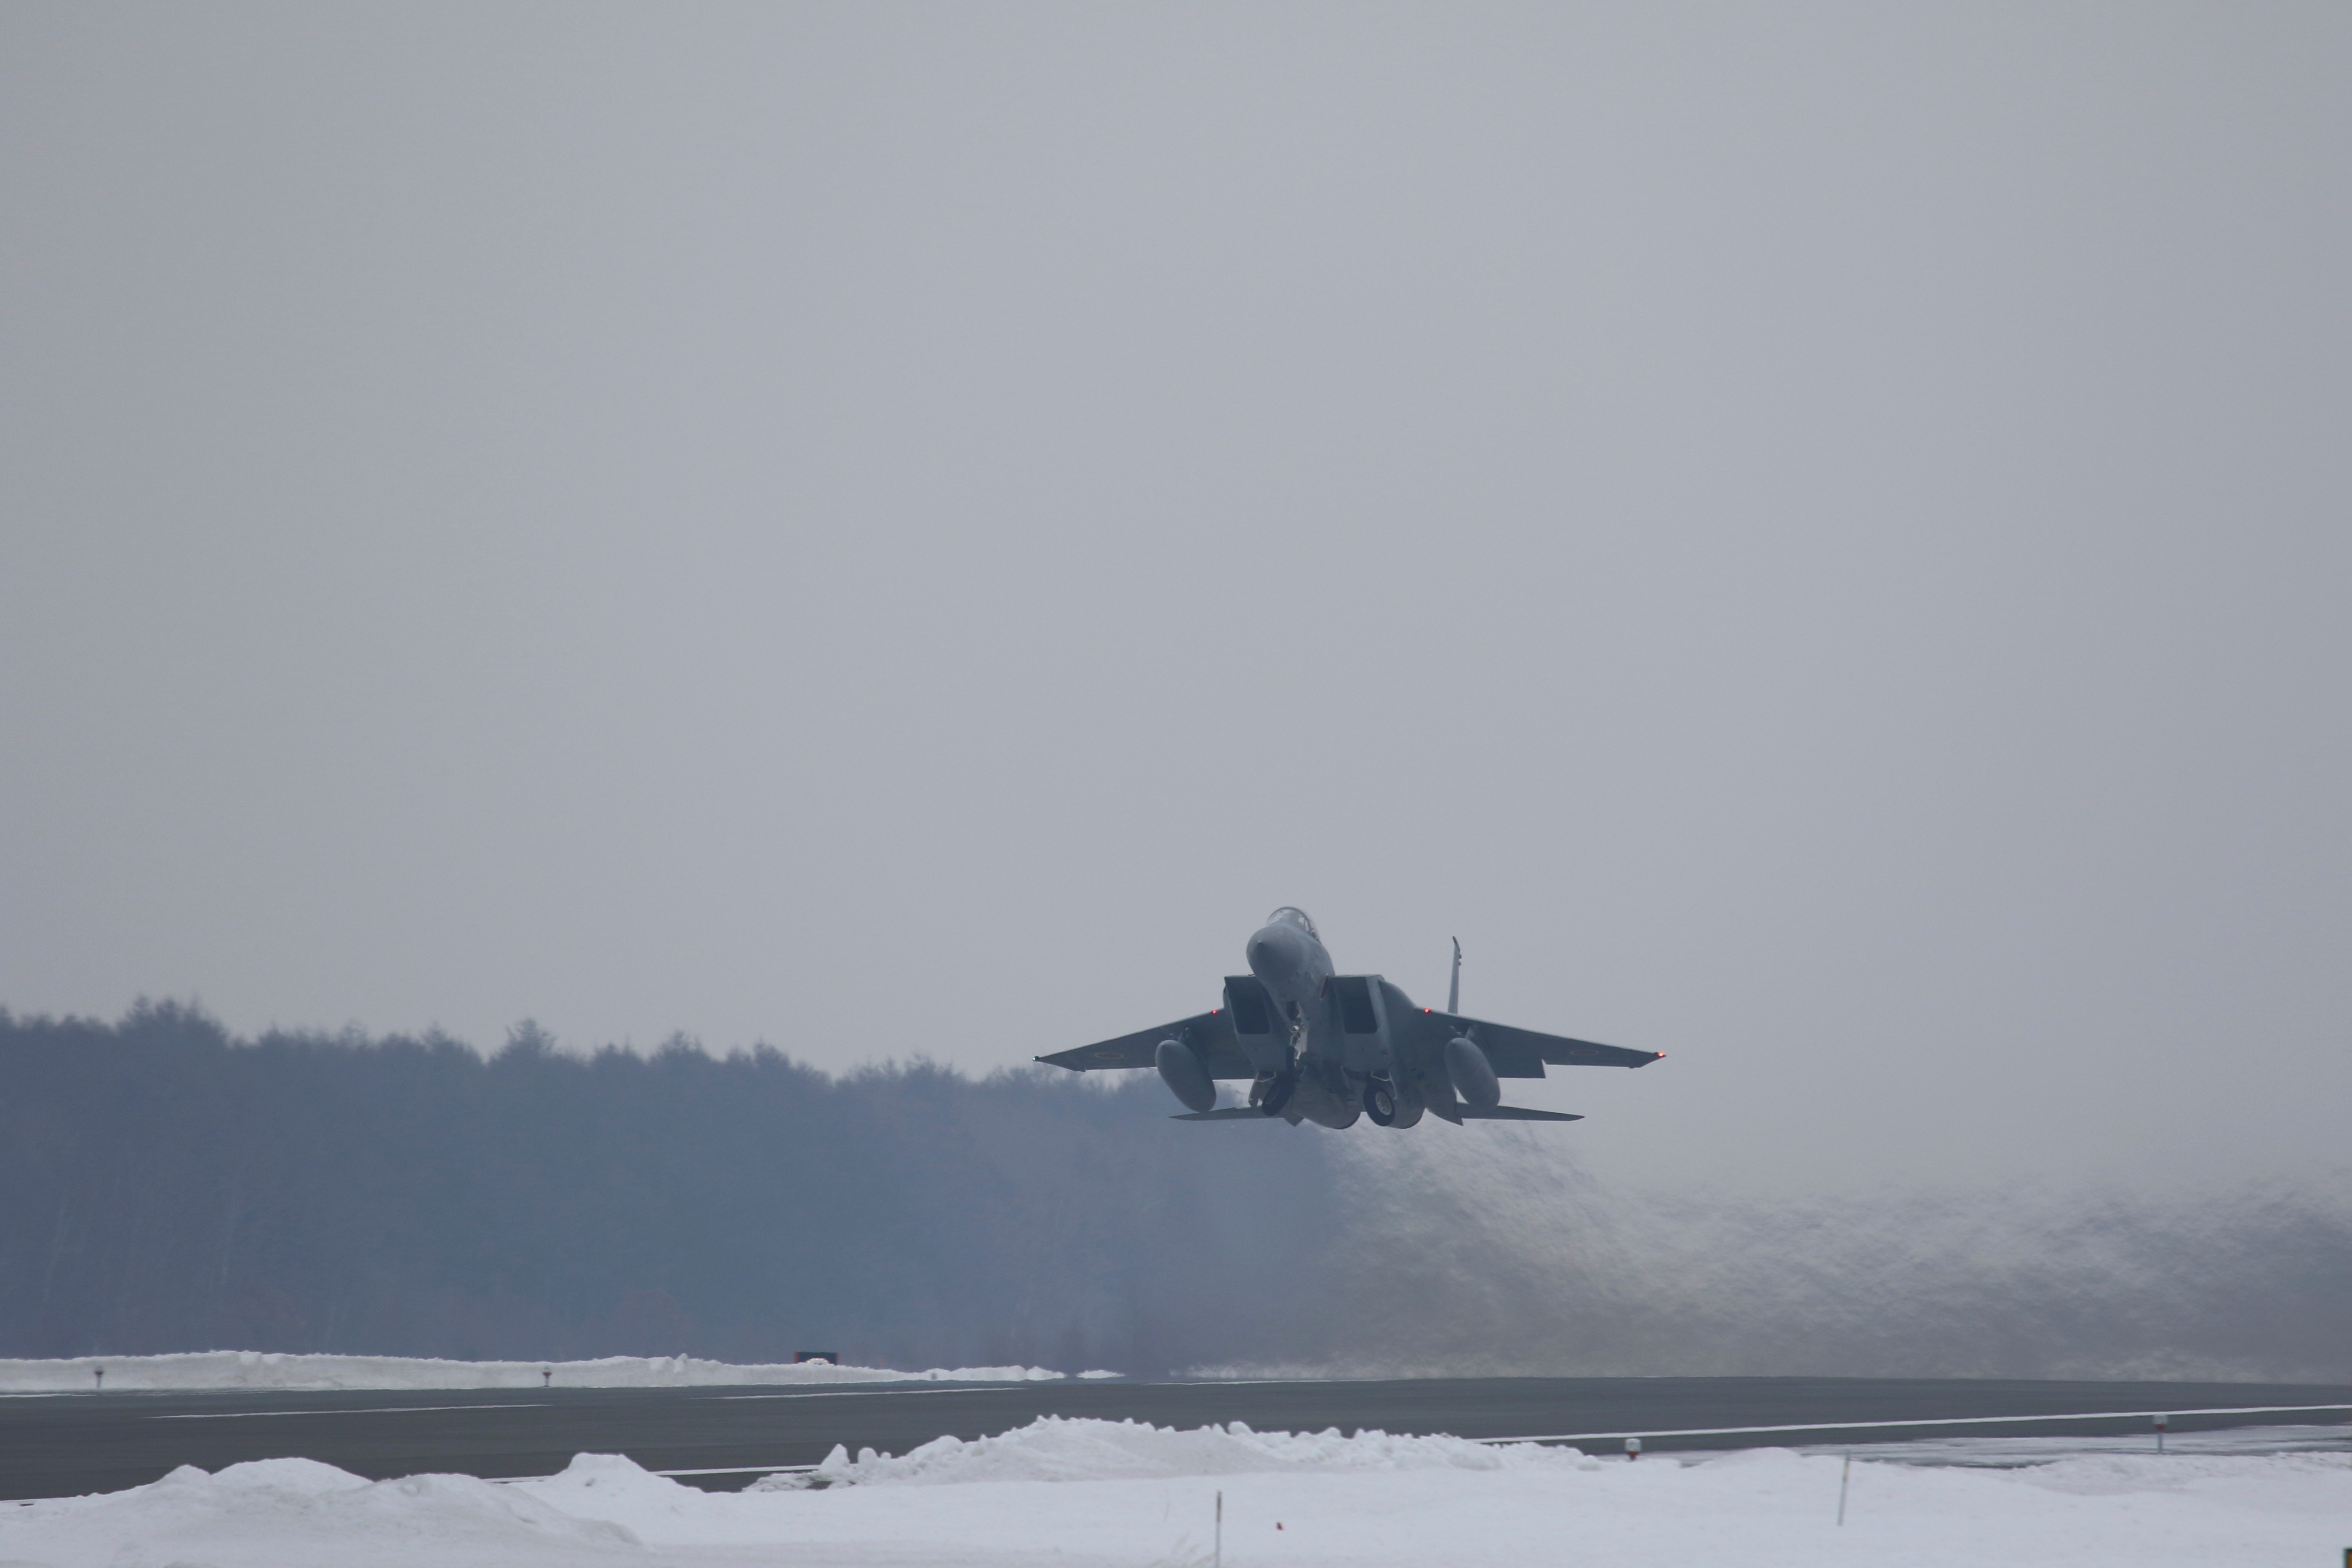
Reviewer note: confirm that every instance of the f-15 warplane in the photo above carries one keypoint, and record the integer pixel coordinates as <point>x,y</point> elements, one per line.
<point>1326,1048</point>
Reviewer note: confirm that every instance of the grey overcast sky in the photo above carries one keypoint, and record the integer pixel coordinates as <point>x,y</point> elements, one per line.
<point>1814,538</point>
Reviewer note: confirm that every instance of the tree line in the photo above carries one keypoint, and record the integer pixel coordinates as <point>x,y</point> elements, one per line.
<point>166,1187</point>
<point>172,1188</point>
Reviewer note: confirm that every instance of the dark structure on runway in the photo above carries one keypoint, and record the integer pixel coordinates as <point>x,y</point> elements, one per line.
<point>1326,1048</point>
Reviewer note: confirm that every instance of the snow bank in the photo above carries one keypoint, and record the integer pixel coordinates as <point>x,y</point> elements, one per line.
<point>1058,1448</point>
<point>260,1369</point>
<point>1376,1501</point>
<point>1125,1496</point>
<point>293,1510</point>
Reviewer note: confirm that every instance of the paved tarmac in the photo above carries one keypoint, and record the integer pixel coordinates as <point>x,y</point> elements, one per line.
<point>66,1445</point>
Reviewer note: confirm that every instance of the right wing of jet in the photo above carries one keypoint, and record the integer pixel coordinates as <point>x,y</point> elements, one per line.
<point>1419,1037</point>
<point>1522,1053</point>
<point>1211,1034</point>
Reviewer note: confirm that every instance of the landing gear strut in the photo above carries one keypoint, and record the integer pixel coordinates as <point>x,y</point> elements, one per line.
<point>1272,1091</point>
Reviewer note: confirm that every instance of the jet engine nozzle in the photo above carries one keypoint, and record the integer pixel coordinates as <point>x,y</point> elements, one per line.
<point>1472,1074</point>
<point>1186,1076</point>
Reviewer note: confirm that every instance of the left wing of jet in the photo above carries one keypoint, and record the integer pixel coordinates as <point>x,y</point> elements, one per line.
<point>1211,1034</point>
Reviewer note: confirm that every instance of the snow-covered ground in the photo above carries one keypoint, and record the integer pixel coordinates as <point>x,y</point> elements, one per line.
<point>2011,1451</point>
<point>1117,1493</point>
<point>258,1369</point>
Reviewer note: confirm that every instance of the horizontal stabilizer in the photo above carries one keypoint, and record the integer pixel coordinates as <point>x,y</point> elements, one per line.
<point>1511,1113</point>
<point>1227,1113</point>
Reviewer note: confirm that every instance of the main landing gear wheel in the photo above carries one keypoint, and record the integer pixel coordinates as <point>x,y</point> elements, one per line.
<point>1275,1094</point>
<point>1380,1102</point>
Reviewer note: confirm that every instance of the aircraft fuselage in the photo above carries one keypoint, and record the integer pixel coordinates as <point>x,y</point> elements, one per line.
<point>1290,960</point>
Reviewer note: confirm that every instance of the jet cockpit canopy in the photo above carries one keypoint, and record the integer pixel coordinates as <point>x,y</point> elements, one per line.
<point>1291,917</point>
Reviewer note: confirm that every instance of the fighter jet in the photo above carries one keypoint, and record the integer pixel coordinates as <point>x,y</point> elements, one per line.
<point>1329,1049</point>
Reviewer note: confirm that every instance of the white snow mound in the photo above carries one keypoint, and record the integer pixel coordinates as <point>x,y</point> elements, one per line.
<point>263,1369</point>
<point>274,1509</point>
<point>1060,1448</point>
<point>1123,1495</point>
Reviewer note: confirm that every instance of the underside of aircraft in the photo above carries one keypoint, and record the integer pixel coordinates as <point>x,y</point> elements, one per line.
<point>1329,1049</point>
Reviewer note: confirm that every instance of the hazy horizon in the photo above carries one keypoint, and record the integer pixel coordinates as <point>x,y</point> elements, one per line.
<point>172,1190</point>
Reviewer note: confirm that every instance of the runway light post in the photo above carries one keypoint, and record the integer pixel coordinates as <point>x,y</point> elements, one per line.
<point>1633,1450</point>
<point>99,1375</point>
<point>2160,1423</point>
<point>1845,1475</point>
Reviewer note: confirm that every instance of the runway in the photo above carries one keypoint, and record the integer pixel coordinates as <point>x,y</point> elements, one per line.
<point>67,1444</point>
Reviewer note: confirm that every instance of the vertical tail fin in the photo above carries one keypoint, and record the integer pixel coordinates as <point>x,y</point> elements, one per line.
<point>1454,992</point>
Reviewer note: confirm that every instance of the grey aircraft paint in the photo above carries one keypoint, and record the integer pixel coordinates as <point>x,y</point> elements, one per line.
<point>1322,1047</point>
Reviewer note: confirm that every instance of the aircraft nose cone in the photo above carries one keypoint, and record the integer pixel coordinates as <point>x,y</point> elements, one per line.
<point>1275,954</point>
